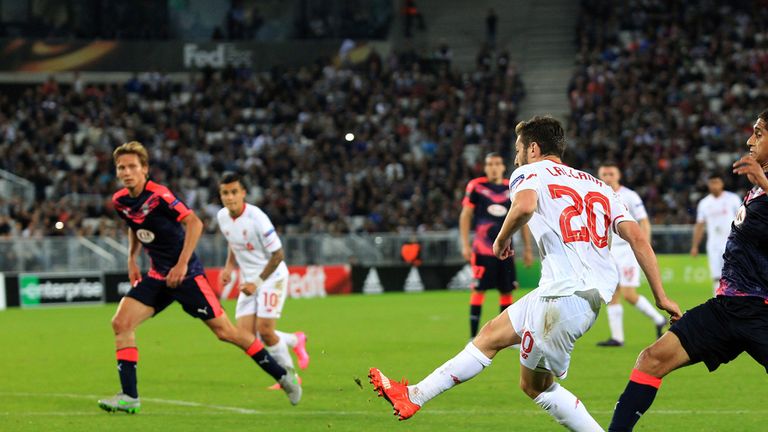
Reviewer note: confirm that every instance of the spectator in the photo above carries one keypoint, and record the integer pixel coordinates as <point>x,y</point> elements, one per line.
<point>663,87</point>
<point>405,161</point>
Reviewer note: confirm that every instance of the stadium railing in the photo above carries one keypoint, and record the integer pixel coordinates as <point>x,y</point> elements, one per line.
<point>73,254</point>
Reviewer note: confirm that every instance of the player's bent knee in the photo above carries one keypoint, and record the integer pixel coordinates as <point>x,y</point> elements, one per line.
<point>651,361</point>
<point>121,325</point>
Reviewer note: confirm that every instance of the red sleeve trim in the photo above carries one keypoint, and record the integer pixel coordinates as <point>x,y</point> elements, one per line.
<point>615,223</point>
<point>183,213</point>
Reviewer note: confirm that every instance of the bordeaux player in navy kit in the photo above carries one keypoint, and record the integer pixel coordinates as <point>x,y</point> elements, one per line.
<point>736,321</point>
<point>155,218</point>
<point>486,201</point>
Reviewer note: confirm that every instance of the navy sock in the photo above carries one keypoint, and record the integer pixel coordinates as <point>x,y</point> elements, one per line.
<point>474,319</point>
<point>265,360</point>
<point>634,402</point>
<point>127,359</point>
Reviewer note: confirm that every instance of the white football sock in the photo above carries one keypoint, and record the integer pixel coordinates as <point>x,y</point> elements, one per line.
<point>464,366</point>
<point>280,352</point>
<point>567,409</point>
<point>644,306</point>
<point>289,338</point>
<point>616,321</point>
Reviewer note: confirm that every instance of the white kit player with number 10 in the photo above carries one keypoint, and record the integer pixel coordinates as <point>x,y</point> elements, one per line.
<point>255,247</point>
<point>253,239</point>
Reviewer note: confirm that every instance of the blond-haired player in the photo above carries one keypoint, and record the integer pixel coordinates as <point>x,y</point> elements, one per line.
<point>168,230</point>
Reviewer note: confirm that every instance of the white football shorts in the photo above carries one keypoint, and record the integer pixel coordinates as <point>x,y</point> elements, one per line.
<point>549,327</point>
<point>629,268</point>
<point>267,301</point>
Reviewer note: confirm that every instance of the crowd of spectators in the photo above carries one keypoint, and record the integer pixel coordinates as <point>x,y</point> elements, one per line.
<point>669,89</point>
<point>387,144</point>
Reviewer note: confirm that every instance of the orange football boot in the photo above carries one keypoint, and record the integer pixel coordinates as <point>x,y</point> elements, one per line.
<point>396,393</point>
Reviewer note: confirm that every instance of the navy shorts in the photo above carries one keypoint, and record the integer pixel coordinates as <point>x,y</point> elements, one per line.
<point>194,294</point>
<point>717,331</point>
<point>490,272</point>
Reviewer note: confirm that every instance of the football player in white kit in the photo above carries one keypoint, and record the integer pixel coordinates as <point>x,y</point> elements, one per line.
<point>569,213</point>
<point>716,210</point>
<point>629,269</point>
<point>255,247</point>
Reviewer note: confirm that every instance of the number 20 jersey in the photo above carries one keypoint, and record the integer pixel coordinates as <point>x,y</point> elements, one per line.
<point>571,227</point>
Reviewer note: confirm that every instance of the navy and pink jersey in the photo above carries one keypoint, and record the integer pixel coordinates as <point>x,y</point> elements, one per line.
<point>745,261</point>
<point>155,217</point>
<point>490,202</point>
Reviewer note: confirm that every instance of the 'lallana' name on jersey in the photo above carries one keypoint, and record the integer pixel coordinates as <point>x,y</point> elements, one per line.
<point>578,175</point>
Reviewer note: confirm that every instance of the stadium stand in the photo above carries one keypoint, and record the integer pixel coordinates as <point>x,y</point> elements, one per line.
<point>420,130</point>
<point>669,90</point>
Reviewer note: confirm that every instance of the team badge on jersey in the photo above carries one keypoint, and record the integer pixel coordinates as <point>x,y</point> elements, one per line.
<point>497,210</point>
<point>145,236</point>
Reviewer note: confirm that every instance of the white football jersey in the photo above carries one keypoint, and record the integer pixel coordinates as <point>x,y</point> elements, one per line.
<point>718,213</point>
<point>571,226</point>
<point>636,209</point>
<point>253,239</point>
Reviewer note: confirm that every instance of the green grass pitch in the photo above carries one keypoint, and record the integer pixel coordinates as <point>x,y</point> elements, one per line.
<point>55,363</point>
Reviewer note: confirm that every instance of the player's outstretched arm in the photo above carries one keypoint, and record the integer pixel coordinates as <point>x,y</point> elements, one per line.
<point>523,206</point>
<point>193,230</point>
<point>638,241</point>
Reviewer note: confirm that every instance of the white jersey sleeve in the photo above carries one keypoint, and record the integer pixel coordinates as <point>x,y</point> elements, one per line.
<point>523,178</point>
<point>266,231</point>
<point>634,204</point>
<point>701,216</point>
<point>253,239</point>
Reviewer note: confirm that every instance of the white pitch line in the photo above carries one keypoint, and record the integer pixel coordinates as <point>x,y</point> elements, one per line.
<point>300,412</point>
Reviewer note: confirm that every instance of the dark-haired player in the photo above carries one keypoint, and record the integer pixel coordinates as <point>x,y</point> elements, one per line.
<point>735,321</point>
<point>254,246</point>
<point>570,214</point>
<point>168,230</point>
<point>486,201</point>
